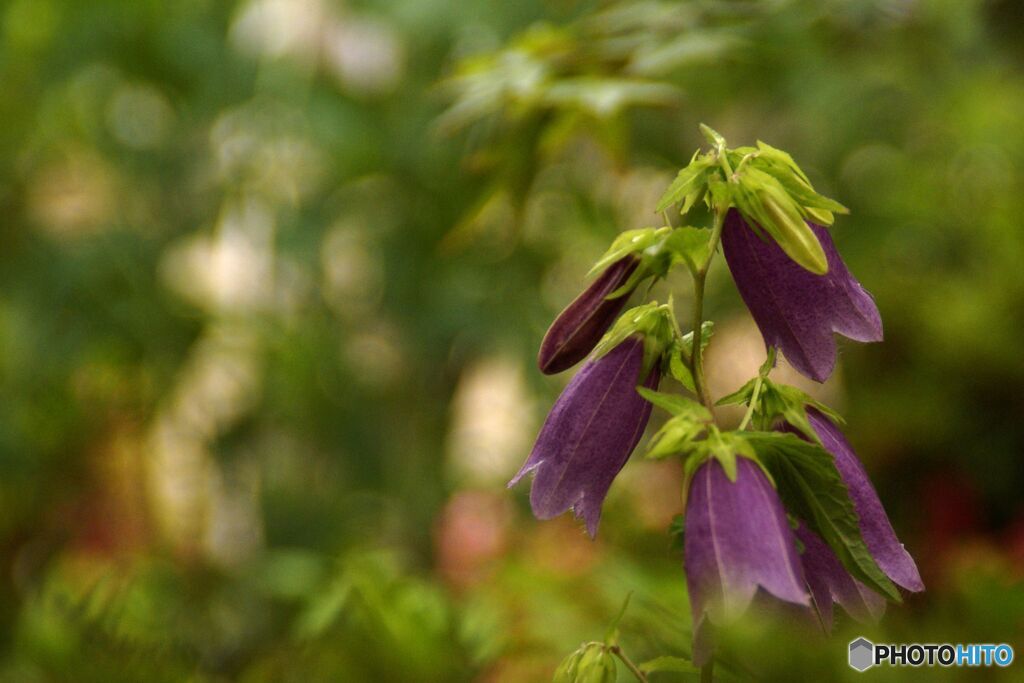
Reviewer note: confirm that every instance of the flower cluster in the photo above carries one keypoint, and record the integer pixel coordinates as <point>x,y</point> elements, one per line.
<point>781,506</point>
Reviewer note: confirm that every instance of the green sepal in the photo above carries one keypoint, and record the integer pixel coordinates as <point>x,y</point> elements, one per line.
<point>689,182</point>
<point>679,367</point>
<point>770,153</point>
<point>680,432</point>
<point>726,447</point>
<point>739,397</point>
<point>627,243</point>
<point>568,669</point>
<point>654,322</point>
<point>688,245</point>
<point>679,355</point>
<point>783,401</point>
<point>712,136</point>
<point>811,488</point>
<point>762,200</point>
<point>802,193</point>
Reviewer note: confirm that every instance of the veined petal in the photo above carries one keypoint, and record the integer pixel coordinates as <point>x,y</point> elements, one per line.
<point>855,314</point>
<point>578,328</point>
<point>737,540</point>
<point>830,582</point>
<point>885,547</point>
<point>796,310</point>
<point>589,435</point>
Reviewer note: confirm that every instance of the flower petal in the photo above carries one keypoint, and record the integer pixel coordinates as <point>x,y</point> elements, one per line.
<point>589,435</point>
<point>878,533</point>
<point>796,310</point>
<point>737,539</point>
<point>830,582</point>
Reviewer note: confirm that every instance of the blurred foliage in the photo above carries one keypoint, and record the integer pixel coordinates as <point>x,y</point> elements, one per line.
<point>274,272</point>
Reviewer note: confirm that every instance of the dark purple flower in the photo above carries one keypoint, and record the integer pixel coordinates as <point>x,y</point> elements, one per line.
<point>796,310</point>
<point>830,582</point>
<point>737,540</point>
<point>889,553</point>
<point>589,434</point>
<point>577,329</point>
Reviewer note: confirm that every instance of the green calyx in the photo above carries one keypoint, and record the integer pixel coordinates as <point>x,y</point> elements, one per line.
<point>654,322</point>
<point>658,250</point>
<point>776,401</point>
<point>766,186</point>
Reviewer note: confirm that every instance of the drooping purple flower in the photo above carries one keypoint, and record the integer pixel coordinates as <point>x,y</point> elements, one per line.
<point>589,434</point>
<point>578,328</point>
<point>831,583</point>
<point>796,310</point>
<point>879,536</point>
<point>737,539</point>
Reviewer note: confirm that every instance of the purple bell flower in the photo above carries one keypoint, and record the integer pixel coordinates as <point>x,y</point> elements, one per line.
<point>737,540</point>
<point>879,536</point>
<point>796,310</point>
<point>589,435</point>
<point>831,583</point>
<point>578,328</point>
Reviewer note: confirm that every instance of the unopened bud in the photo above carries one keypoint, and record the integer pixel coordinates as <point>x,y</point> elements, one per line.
<point>578,329</point>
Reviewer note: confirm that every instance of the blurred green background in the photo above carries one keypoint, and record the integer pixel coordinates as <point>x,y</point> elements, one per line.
<point>273,274</point>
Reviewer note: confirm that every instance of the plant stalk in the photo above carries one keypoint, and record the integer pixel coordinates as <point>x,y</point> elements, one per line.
<point>633,668</point>
<point>699,279</point>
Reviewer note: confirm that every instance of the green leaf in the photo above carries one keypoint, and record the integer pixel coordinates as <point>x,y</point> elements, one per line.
<point>811,488</point>
<point>691,179</point>
<point>768,152</point>
<point>712,136</point>
<point>707,328</point>
<point>668,663</point>
<point>605,97</point>
<point>674,403</point>
<point>739,397</point>
<point>678,367</point>
<point>611,635</point>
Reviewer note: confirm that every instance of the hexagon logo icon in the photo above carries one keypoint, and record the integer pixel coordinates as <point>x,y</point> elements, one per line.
<point>862,654</point>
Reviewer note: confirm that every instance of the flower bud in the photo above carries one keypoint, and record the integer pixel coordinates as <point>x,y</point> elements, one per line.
<point>578,329</point>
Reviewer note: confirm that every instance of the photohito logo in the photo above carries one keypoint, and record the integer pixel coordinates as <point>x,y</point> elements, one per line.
<point>864,654</point>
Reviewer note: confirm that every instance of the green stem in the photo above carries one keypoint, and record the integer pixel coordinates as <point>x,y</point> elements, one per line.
<point>758,384</point>
<point>633,668</point>
<point>699,278</point>
<point>707,672</point>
